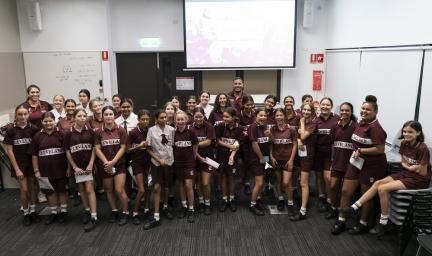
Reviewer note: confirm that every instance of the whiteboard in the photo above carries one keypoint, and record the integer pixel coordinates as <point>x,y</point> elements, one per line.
<point>425,114</point>
<point>64,73</point>
<point>392,76</point>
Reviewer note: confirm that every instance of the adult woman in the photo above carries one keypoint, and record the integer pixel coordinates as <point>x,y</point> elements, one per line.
<point>58,111</point>
<point>128,119</point>
<point>66,123</point>
<point>116,100</point>
<point>17,139</point>
<point>204,103</point>
<point>35,106</point>
<point>220,104</point>
<point>368,162</point>
<point>79,144</point>
<point>110,144</point>
<point>306,149</point>
<point>325,122</point>
<point>49,162</point>
<point>160,139</point>
<point>415,174</point>
<point>84,99</point>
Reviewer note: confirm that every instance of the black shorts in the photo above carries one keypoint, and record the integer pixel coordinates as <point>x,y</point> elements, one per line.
<point>322,161</point>
<point>59,185</point>
<point>140,167</point>
<point>162,175</point>
<point>281,165</point>
<point>184,173</point>
<point>27,172</point>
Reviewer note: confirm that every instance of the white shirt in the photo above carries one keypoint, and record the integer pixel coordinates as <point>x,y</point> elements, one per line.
<point>162,151</point>
<point>87,109</point>
<point>207,110</point>
<point>131,121</point>
<point>58,115</point>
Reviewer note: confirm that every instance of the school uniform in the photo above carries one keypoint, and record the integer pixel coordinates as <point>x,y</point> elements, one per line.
<point>94,123</point>
<point>307,162</point>
<point>161,142</point>
<point>417,154</point>
<point>110,141</point>
<point>140,159</point>
<point>80,144</point>
<point>129,123</point>
<point>207,110</point>
<point>229,135</point>
<point>190,118</point>
<point>256,134</point>
<point>65,124</point>
<point>57,115</point>
<point>20,139</point>
<point>270,117</point>
<point>184,160</point>
<point>342,147</point>
<point>49,148</point>
<point>282,143</point>
<point>236,102</point>
<point>204,132</point>
<point>216,118</point>
<point>367,135</point>
<point>324,141</point>
<point>294,120</point>
<point>36,113</point>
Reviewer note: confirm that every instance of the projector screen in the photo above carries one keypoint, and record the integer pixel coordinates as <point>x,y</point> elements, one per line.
<point>239,34</point>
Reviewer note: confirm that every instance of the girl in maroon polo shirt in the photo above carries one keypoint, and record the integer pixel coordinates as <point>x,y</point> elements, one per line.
<point>66,123</point>
<point>185,149</point>
<point>325,121</point>
<point>116,100</point>
<point>228,136</point>
<point>220,105</point>
<point>95,121</point>
<point>341,152</point>
<point>191,103</point>
<point>306,99</point>
<point>176,103</point>
<point>17,139</point>
<point>205,134</point>
<point>84,99</point>
<point>49,161</point>
<point>35,106</point>
<point>283,149</point>
<point>110,144</point>
<point>293,118</point>
<point>368,156</point>
<point>269,103</point>
<point>415,174</point>
<point>247,117</point>
<point>259,155</point>
<point>306,151</point>
<point>140,161</point>
<point>79,144</point>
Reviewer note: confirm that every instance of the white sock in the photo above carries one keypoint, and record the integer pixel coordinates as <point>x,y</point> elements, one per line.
<point>32,208</point>
<point>231,197</point>
<point>281,198</point>
<point>252,204</point>
<point>201,199</point>
<point>134,214</point>
<point>364,223</point>
<point>383,219</point>
<point>191,208</point>
<point>63,208</point>
<point>184,204</point>
<point>225,198</point>
<point>356,205</point>
<point>290,202</point>
<point>342,219</point>
<point>156,216</point>
<point>26,211</point>
<point>303,211</point>
<point>94,215</point>
<point>53,210</point>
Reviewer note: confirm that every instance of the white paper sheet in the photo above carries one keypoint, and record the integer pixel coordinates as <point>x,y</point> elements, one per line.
<point>83,178</point>
<point>357,162</point>
<point>212,163</point>
<point>44,183</point>
<point>302,153</point>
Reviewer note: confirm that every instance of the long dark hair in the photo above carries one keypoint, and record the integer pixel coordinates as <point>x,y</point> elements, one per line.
<point>217,106</point>
<point>417,127</point>
<point>352,117</point>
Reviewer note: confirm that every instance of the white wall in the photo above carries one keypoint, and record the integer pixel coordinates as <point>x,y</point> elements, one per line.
<point>354,23</point>
<point>298,81</point>
<point>9,39</point>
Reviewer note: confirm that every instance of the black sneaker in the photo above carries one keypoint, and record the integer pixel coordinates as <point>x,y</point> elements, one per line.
<point>322,204</point>
<point>148,215</point>
<point>167,213</point>
<point>182,213</point>
<point>51,218</point>
<point>207,210</point>
<point>291,210</point>
<point>338,227</point>
<point>254,209</point>
<point>380,229</point>
<point>298,216</point>
<point>123,219</point>
<point>151,224</point>
<point>113,217</point>
<point>266,191</point>
<point>358,229</point>
<point>90,225</point>
<point>27,220</point>
<point>332,213</point>
<point>232,206</point>
<point>348,210</point>
<point>35,218</point>
<point>218,195</point>
<point>260,205</point>
<point>190,216</point>
<point>223,206</point>
<point>200,207</point>
<point>172,202</point>
<point>136,220</point>
<point>76,201</point>
<point>281,205</point>
<point>62,217</point>
<point>85,218</point>
<point>247,189</point>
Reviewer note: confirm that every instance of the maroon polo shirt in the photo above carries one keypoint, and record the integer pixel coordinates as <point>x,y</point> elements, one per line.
<point>324,139</point>
<point>270,117</point>
<point>65,124</point>
<point>247,119</point>
<point>311,140</point>
<point>294,120</point>
<point>20,139</point>
<point>111,141</point>
<point>80,144</point>
<point>236,103</point>
<point>342,145</point>
<point>36,113</point>
<point>256,134</point>
<point>367,135</point>
<point>183,148</point>
<point>216,118</point>
<point>228,135</point>
<point>282,141</point>
<point>190,118</point>
<point>49,148</point>
<point>416,154</point>
<point>136,136</point>
<point>93,123</point>
<point>204,132</point>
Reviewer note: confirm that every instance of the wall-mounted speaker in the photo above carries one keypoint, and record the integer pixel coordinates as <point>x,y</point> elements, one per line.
<point>34,16</point>
<point>308,13</point>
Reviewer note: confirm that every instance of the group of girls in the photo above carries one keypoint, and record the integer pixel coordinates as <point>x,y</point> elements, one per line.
<point>277,145</point>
